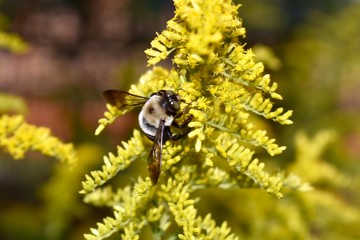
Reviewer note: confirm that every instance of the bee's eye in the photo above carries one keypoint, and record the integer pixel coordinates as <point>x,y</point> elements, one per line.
<point>175,105</point>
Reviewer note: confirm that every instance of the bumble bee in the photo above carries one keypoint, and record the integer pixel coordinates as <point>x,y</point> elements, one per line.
<point>157,115</point>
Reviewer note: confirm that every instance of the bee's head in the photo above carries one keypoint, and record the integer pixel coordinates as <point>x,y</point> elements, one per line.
<point>171,101</point>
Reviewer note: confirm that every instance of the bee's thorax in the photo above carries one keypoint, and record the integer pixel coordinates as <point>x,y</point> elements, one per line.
<point>152,113</point>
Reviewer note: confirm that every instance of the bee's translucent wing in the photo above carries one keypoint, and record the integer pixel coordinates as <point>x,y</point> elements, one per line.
<point>155,156</point>
<point>122,99</point>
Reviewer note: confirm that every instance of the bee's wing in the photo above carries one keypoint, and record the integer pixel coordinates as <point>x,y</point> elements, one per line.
<point>121,99</point>
<point>155,156</point>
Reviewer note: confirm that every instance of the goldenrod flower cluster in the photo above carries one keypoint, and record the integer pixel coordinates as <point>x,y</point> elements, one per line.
<point>223,86</point>
<point>18,137</point>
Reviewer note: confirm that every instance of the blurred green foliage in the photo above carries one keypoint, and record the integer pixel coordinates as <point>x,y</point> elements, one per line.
<point>318,76</point>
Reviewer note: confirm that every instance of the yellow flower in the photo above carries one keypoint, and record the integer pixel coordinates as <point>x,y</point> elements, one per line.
<point>222,86</point>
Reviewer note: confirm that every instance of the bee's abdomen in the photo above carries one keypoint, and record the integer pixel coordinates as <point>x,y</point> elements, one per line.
<point>146,127</point>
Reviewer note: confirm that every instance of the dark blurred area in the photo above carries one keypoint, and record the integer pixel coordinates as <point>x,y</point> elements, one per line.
<point>77,50</point>
<point>80,48</point>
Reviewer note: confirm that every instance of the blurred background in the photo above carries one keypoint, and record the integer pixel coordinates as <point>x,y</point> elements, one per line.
<point>79,48</point>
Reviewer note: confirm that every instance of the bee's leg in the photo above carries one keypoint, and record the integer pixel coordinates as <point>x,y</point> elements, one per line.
<point>183,124</point>
<point>174,137</point>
